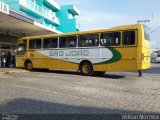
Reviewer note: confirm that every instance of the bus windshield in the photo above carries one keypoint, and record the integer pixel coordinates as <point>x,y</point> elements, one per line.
<point>21,48</point>
<point>146,33</point>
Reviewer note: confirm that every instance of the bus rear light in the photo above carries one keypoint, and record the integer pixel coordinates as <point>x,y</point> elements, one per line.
<point>142,56</point>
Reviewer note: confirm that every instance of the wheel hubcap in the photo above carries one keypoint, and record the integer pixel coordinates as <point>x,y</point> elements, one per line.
<point>86,69</point>
<point>29,66</point>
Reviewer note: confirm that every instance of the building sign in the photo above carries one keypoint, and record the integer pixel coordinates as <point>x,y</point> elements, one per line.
<point>4,8</point>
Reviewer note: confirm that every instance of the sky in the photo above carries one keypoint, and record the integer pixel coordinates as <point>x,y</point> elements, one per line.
<point>95,14</point>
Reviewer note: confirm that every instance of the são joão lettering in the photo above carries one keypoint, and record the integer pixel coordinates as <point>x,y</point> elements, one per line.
<point>78,53</point>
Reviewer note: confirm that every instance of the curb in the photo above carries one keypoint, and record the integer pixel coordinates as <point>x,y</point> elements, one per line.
<point>2,73</point>
<point>14,72</point>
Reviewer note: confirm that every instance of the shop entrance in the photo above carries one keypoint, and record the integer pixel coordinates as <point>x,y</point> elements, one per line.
<point>8,46</point>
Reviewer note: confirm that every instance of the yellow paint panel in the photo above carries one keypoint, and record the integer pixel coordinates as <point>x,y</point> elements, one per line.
<point>97,68</point>
<point>128,60</point>
<point>20,61</point>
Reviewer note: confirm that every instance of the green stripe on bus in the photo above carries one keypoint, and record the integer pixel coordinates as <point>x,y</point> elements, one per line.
<point>116,57</point>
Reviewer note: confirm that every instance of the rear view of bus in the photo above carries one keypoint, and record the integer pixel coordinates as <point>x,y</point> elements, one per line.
<point>143,48</point>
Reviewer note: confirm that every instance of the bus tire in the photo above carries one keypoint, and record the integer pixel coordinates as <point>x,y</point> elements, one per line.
<point>29,66</point>
<point>86,68</point>
<point>99,73</point>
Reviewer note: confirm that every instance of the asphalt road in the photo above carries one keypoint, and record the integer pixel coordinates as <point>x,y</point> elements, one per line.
<point>56,92</point>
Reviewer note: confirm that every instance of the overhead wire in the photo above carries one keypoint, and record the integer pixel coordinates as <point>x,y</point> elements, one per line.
<point>155,29</point>
<point>153,7</point>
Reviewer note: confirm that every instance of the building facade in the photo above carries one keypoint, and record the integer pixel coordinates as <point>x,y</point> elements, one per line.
<point>19,18</point>
<point>48,14</point>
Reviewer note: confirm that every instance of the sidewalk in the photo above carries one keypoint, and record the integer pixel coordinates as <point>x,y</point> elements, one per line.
<point>12,70</point>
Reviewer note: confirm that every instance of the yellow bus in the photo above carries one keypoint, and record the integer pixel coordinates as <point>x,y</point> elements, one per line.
<point>121,48</point>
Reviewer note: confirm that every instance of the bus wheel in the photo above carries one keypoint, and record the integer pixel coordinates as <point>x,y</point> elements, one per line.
<point>99,73</point>
<point>86,69</point>
<point>29,66</point>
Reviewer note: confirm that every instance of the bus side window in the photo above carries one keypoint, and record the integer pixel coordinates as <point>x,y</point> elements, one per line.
<point>50,42</point>
<point>88,40</point>
<point>63,42</point>
<point>83,41</point>
<point>93,39</point>
<point>35,44</point>
<point>110,39</point>
<point>72,41</point>
<point>128,38</point>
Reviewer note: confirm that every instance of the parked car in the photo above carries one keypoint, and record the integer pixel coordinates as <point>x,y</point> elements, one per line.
<point>153,57</point>
<point>158,60</point>
<point>153,60</point>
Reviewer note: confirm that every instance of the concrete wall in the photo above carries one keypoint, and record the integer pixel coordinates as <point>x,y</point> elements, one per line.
<point>67,24</point>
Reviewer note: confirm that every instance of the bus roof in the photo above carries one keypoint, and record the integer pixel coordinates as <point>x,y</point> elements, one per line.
<point>117,28</point>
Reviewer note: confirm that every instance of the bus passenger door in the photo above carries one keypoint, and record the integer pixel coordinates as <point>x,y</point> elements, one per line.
<point>21,53</point>
<point>129,50</point>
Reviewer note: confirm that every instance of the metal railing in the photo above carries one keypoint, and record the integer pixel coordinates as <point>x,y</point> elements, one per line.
<point>54,3</point>
<point>34,7</point>
<point>44,12</point>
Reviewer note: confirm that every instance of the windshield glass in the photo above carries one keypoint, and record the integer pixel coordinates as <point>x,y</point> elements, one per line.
<point>21,49</point>
<point>146,33</point>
